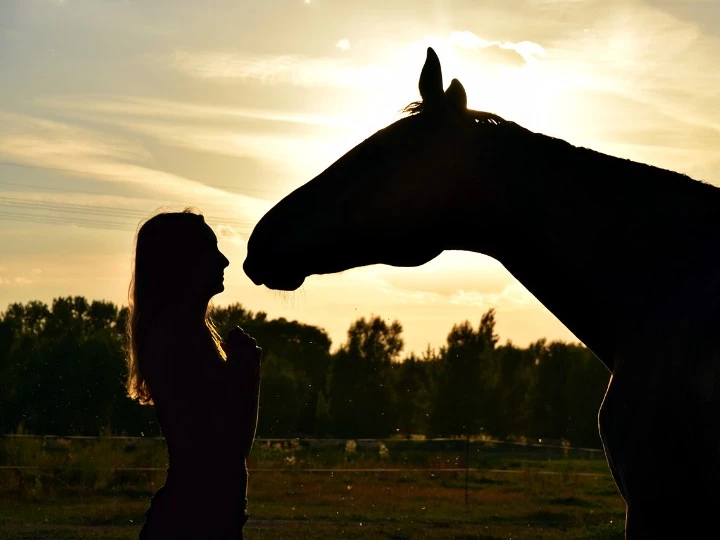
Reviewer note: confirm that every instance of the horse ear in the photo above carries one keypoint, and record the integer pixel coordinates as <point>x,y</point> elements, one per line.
<point>455,95</point>
<point>431,87</point>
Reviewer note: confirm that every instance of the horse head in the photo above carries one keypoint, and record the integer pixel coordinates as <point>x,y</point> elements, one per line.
<point>392,199</point>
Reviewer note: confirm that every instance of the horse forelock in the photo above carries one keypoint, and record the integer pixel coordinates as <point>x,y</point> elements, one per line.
<point>416,107</point>
<point>481,117</point>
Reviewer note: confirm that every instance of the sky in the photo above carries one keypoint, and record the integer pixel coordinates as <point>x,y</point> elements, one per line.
<point>113,109</point>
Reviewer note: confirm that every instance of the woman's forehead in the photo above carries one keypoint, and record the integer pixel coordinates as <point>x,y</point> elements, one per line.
<point>207,233</point>
<point>198,235</point>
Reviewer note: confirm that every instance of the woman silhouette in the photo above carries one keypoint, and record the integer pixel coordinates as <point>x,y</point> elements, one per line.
<point>205,391</point>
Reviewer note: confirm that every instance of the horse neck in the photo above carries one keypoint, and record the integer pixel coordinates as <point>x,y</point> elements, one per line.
<point>599,240</point>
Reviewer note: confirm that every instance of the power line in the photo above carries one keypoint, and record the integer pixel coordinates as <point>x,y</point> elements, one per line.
<point>91,215</point>
<point>70,207</point>
<point>32,211</point>
<point>59,220</point>
<point>75,172</point>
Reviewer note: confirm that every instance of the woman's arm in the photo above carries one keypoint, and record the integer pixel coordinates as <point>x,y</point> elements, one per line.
<point>254,405</point>
<point>244,359</point>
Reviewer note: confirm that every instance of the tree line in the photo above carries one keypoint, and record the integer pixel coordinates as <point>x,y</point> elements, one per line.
<point>62,371</point>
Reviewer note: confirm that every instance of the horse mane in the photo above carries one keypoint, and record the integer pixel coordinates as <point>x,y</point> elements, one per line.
<point>660,176</point>
<point>481,117</point>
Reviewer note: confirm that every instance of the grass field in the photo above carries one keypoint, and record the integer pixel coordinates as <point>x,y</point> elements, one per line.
<point>512,491</point>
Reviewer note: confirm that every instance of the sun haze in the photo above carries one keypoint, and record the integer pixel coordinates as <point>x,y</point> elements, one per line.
<point>109,111</point>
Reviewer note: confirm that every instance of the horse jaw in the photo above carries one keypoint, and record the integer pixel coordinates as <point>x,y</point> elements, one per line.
<point>287,272</point>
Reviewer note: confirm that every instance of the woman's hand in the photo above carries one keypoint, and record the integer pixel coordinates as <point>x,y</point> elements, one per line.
<point>242,351</point>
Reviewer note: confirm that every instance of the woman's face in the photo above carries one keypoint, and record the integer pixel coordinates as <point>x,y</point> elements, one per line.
<point>208,264</point>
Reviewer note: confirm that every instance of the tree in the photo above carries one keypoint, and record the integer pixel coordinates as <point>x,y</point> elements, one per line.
<point>296,360</point>
<point>512,393</point>
<point>62,371</point>
<point>585,386</point>
<point>462,400</point>
<point>19,349</point>
<point>361,396</point>
<point>412,385</point>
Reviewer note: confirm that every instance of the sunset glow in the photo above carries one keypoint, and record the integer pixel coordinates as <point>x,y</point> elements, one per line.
<point>112,110</point>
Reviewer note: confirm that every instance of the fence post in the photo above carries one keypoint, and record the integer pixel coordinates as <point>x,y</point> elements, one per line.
<point>467,465</point>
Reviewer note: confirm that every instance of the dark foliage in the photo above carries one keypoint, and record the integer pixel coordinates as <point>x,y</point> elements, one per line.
<point>62,371</point>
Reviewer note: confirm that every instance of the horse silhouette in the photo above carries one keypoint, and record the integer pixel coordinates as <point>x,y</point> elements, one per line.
<point>623,253</point>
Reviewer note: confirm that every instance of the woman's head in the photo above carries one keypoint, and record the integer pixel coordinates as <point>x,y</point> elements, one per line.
<point>177,262</point>
<point>177,269</point>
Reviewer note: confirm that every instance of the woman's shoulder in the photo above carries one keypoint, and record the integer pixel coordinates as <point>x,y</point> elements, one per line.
<point>173,337</point>
<point>179,350</point>
<point>170,353</point>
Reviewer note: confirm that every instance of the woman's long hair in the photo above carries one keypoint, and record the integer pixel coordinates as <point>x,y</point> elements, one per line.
<point>163,252</point>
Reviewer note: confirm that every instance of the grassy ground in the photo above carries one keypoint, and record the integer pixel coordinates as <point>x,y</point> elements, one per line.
<point>533,495</point>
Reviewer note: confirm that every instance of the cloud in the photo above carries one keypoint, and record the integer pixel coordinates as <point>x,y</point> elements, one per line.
<point>527,50</point>
<point>113,212</point>
<point>458,286</point>
<point>514,296</point>
<point>640,83</point>
<point>20,134</point>
<point>291,154</point>
<point>92,210</point>
<point>288,143</point>
<point>343,45</point>
<point>228,233</point>
<point>446,282</point>
<point>15,281</point>
<point>100,107</point>
<point>290,69</point>
<point>453,278</point>
<point>81,152</point>
<point>645,54</point>
<point>42,143</point>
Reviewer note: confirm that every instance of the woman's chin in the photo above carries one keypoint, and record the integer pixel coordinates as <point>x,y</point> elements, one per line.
<point>218,289</point>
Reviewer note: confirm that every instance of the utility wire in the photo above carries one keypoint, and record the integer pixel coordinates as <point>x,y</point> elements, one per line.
<point>92,215</point>
<point>227,187</point>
